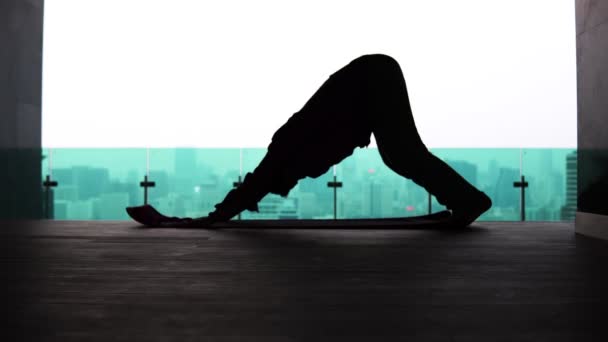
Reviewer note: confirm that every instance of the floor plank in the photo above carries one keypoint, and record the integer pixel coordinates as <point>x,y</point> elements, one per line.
<point>499,281</point>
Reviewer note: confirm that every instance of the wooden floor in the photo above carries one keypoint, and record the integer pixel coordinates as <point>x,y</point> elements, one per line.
<point>112,281</point>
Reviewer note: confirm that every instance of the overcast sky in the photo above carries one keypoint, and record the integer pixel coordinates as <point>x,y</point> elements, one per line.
<point>178,73</point>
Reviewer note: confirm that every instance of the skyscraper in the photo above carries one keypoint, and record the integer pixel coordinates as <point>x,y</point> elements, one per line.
<point>467,170</point>
<point>275,207</point>
<point>569,209</point>
<point>505,195</point>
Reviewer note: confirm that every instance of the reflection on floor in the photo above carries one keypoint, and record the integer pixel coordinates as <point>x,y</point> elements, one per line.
<point>113,281</point>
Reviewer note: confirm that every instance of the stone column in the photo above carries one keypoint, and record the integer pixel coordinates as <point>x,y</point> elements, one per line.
<point>20,103</point>
<point>592,75</point>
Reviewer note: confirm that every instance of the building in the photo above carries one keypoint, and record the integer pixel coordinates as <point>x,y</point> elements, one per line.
<point>505,195</point>
<point>569,209</point>
<point>275,207</point>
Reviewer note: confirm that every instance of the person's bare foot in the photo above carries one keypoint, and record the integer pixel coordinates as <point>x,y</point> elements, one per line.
<point>470,210</point>
<point>147,215</point>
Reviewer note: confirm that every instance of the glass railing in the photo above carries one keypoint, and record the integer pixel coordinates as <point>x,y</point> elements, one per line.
<point>97,184</point>
<point>551,175</point>
<point>189,182</point>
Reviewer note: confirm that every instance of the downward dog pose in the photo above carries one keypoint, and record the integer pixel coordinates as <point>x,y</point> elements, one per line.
<point>367,96</point>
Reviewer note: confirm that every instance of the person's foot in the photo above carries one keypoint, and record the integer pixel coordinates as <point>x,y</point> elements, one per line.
<point>470,210</point>
<point>147,215</point>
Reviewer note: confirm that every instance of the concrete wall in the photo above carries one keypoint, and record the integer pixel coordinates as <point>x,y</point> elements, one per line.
<point>592,68</point>
<point>21,24</point>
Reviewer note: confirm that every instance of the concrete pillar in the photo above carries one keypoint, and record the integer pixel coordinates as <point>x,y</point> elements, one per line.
<point>592,75</point>
<point>21,24</point>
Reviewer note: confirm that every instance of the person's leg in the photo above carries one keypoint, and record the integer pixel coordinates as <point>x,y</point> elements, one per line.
<point>402,149</point>
<point>367,95</point>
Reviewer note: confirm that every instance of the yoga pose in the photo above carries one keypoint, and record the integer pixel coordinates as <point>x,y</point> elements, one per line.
<point>366,96</point>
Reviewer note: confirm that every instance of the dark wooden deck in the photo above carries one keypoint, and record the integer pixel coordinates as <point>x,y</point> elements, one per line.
<point>110,281</point>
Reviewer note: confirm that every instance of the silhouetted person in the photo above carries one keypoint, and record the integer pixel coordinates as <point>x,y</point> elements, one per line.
<point>366,96</point>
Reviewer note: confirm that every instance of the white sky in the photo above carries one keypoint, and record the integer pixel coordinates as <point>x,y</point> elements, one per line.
<point>179,73</point>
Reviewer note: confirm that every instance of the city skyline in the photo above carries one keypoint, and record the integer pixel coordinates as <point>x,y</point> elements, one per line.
<point>189,186</point>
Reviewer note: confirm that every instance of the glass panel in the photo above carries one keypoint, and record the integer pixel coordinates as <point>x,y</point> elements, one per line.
<point>552,176</point>
<point>309,199</point>
<point>372,190</point>
<point>47,192</point>
<point>189,182</point>
<point>315,198</point>
<point>492,171</point>
<point>96,184</point>
<point>46,161</point>
<point>336,190</point>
